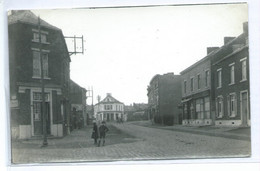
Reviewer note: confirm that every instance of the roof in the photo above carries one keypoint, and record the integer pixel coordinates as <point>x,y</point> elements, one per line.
<point>26,16</point>
<point>109,99</point>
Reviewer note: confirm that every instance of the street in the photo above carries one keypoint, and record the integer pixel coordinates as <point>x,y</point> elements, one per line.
<point>129,142</point>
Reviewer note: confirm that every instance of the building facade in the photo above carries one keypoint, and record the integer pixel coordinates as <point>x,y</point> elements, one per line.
<point>230,74</point>
<point>78,105</point>
<point>196,93</point>
<point>109,109</point>
<point>164,96</point>
<point>32,45</point>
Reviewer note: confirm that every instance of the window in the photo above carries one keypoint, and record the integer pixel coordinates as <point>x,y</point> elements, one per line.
<point>199,109</point>
<point>207,78</point>
<point>244,72</point>
<point>232,74</point>
<point>185,87</point>
<point>198,77</point>
<point>37,64</point>
<point>36,37</point>
<point>207,107</point>
<point>232,104</point>
<point>219,106</point>
<point>219,78</point>
<point>108,107</point>
<point>191,84</point>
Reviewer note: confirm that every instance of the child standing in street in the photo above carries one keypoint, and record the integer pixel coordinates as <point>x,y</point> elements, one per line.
<point>102,133</point>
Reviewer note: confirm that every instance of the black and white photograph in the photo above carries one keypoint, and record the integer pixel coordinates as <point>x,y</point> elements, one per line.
<point>129,84</point>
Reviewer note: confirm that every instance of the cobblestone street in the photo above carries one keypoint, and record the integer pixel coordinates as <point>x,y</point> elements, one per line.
<point>129,142</point>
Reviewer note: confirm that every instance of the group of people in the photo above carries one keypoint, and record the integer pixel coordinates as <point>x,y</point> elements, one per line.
<point>99,133</point>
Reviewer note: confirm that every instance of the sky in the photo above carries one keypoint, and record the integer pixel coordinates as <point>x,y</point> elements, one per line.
<point>126,47</point>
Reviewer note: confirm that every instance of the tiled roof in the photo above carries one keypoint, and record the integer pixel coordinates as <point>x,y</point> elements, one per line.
<point>26,16</point>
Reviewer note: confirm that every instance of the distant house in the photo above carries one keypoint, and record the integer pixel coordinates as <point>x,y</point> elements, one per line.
<point>109,109</point>
<point>230,77</point>
<point>137,111</point>
<point>78,105</point>
<point>25,52</point>
<point>164,96</point>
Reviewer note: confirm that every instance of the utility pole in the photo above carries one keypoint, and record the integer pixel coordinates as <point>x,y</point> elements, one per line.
<point>74,39</point>
<point>45,142</point>
<point>90,94</point>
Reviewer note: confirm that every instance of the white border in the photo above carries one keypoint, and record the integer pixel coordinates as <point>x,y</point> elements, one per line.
<point>254,18</point>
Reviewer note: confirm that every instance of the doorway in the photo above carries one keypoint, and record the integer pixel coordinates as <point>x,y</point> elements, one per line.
<point>244,108</point>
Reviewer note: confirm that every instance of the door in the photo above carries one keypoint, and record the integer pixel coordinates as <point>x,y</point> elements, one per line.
<point>38,118</point>
<point>244,108</point>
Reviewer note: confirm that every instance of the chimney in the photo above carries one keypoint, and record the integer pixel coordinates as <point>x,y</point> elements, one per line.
<point>228,39</point>
<point>109,94</point>
<point>211,49</point>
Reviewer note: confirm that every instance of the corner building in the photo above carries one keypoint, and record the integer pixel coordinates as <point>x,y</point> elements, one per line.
<point>110,110</point>
<point>25,53</point>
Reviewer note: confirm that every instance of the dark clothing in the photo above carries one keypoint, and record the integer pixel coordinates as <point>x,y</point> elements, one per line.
<point>102,134</point>
<point>95,133</point>
<point>102,130</point>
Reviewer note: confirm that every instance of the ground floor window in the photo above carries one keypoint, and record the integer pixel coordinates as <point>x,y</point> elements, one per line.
<point>207,108</point>
<point>219,107</point>
<point>199,109</point>
<point>232,104</point>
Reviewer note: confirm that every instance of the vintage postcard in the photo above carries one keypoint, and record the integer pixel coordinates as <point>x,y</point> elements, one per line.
<point>129,83</point>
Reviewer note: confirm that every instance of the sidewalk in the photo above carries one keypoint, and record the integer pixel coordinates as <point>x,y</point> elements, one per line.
<point>240,133</point>
<point>79,138</point>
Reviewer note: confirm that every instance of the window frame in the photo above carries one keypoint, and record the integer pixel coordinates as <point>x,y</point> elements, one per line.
<point>232,73</point>
<point>219,78</point>
<point>243,69</point>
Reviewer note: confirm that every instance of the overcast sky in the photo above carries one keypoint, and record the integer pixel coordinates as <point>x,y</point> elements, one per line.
<point>126,47</point>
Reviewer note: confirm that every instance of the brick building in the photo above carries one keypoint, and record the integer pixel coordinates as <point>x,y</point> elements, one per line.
<point>78,105</point>
<point>230,74</point>
<point>164,96</point>
<point>215,90</point>
<point>196,98</point>
<point>25,52</point>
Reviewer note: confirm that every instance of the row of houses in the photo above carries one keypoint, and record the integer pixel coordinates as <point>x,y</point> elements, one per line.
<point>213,91</point>
<point>33,50</point>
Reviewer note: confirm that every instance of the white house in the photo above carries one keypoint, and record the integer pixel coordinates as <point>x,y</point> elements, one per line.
<point>109,109</point>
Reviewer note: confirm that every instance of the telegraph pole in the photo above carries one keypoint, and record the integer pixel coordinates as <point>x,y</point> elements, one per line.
<point>75,46</point>
<point>45,142</point>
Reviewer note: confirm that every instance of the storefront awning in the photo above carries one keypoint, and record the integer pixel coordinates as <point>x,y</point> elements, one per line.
<point>186,100</point>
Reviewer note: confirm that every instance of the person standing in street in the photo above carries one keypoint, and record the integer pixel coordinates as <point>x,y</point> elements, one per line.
<point>102,133</point>
<point>95,133</point>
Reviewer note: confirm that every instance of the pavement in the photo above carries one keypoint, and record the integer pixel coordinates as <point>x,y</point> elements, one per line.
<point>131,141</point>
<point>239,133</point>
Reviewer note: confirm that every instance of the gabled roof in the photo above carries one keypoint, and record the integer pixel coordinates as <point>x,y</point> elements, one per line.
<point>26,16</point>
<point>109,99</point>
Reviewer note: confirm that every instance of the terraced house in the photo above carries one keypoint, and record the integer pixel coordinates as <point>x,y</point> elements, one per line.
<point>196,92</point>
<point>230,91</point>
<point>28,44</point>
<point>215,90</point>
